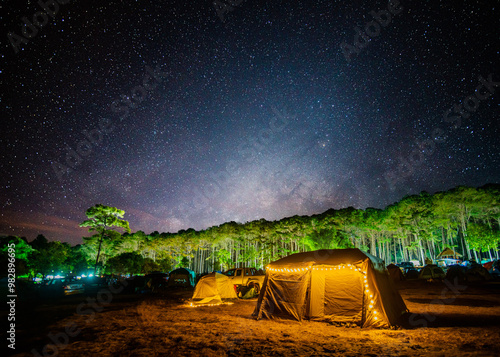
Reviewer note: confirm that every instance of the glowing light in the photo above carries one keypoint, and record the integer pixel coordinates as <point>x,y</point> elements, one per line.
<point>374,311</point>
<point>376,318</point>
<point>371,306</point>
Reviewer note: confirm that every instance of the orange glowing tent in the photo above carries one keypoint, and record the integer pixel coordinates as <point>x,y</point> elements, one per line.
<point>212,289</point>
<point>337,285</point>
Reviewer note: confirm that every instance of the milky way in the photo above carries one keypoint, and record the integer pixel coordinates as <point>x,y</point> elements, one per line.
<point>190,114</point>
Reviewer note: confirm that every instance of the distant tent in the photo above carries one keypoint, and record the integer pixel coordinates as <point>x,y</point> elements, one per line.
<point>395,273</point>
<point>477,273</point>
<point>337,285</point>
<point>456,272</point>
<point>181,277</point>
<point>448,253</point>
<point>432,271</point>
<point>212,289</point>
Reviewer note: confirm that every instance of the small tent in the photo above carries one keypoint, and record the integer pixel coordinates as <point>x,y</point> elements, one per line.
<point>212,289</point>
<point>456,272</point>
<point>181,277</point>
<point>432,271</point>
<point>338,285</point>
<point>395,273</point>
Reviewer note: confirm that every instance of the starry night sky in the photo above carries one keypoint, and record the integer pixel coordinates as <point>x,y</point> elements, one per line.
<point>198,119</point>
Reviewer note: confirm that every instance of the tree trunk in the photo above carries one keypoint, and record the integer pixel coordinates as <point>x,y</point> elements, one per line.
<point>98,253</point>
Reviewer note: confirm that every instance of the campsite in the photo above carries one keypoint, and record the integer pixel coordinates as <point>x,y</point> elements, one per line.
<point>446,317</point>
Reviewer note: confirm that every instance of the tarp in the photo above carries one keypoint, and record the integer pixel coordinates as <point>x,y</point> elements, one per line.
<point>338,285</point>
<point>212,289</point>
<point>181,277</point>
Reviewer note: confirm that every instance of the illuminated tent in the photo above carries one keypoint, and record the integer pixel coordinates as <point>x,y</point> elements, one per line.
<point>212,289</point>
<point>181,277</point>
<point>337,285</point>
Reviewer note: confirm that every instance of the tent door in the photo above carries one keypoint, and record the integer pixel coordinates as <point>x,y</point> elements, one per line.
<point>336,294</point>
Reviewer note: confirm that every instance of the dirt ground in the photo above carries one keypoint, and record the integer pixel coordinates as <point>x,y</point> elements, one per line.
<point>446,320</point>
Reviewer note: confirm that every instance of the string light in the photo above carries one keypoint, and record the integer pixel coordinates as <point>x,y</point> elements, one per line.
<point>326,268</point>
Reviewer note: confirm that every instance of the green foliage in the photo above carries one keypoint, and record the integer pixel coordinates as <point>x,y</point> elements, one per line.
<point>183,263</point>
<point>149,265</point>
<point>50,259</point>
<point>23,249</point>
<point>101,219</point>
<point>77,262</point>
<point>125,263</point>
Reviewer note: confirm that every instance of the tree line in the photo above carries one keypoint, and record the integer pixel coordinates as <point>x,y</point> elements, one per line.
<point>417,227</point>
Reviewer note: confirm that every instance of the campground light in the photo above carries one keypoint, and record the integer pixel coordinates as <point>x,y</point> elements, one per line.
<point>376,318</point>
<point>371,295</point>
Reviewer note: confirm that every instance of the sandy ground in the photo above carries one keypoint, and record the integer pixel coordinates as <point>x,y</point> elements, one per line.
<point>446,320</point>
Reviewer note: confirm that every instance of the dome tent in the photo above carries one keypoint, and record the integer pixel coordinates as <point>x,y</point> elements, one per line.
<point>432,271</point>
<point>395,273</point>
<point>212,289</point>
<point>338,285</point>
<point>181,277</point>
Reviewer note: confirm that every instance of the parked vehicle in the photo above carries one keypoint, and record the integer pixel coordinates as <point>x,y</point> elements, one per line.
<point>246,278</point>
<point>405,266</point>
<point>54,288</point>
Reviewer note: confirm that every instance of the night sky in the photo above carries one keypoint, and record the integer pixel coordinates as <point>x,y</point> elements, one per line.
<point>186,118</point>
